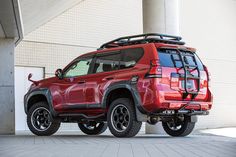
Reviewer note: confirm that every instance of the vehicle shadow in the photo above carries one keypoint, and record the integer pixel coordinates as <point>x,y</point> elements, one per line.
<point>111,136</point>
<point>106,135</point>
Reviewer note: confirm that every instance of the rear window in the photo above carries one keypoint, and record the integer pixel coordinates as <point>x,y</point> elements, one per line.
<point>167,57</point>
<point>117,60</point>
<point>107,62</point>
<point>130,57</point>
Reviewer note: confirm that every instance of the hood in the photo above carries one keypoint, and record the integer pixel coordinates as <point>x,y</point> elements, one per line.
<point>46,81</point>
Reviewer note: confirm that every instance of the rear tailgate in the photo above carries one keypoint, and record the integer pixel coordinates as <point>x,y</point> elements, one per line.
<point>183,75</point>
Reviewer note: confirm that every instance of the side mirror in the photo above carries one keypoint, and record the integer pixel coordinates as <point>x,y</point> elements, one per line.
<point>30,76</point>
<point>58,73</point>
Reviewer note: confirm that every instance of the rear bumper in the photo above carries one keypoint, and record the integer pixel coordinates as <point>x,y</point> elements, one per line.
<point>181,112</point>
<point>186,108</point>
<point>188,105</point>
<point>169,108</point>
<point>192,112</point>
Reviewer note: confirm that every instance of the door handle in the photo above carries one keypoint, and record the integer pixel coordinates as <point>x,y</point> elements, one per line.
<point>108,78</point>
<point>81,82</point>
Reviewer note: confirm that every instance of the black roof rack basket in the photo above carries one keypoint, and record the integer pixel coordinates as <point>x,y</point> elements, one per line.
<point>143,38</point>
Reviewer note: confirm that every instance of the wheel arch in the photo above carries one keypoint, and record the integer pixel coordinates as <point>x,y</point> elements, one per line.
<point>127,90</point>
<point>34,99</point>
<point>121,92</point>
<point>37,96</point>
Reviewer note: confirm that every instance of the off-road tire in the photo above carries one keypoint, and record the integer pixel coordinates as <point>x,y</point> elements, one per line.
<point>101,127</point>
<point>55,124</point>
<point>133,125</point>
<point>186,128</point>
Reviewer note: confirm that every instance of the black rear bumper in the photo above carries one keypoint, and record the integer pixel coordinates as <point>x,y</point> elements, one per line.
<point>192,112</point>
<point>181,112</point>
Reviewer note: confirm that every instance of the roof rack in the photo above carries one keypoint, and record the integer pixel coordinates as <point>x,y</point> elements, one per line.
<point>143,38</point>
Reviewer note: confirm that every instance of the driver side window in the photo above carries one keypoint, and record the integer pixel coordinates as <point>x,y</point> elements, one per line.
<point>78,68</point>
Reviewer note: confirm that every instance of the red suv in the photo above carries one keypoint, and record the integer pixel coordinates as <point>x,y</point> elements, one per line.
<point>127,81</point>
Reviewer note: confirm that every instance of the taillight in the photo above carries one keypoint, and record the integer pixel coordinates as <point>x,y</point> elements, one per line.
<point>208,75</point>
<point>155,69</point>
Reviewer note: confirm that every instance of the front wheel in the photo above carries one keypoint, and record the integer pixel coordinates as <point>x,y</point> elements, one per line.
<point>93,128</point>
<point>40,120</point>
<point>178,126</point>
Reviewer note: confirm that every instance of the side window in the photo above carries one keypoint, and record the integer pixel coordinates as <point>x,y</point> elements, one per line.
<point>108,62</point>
<point>130,57</point>
<point>79,68</point>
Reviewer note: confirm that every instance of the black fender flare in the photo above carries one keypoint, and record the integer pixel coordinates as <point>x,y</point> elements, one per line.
<point>141,113</point>
<point>40,91</point>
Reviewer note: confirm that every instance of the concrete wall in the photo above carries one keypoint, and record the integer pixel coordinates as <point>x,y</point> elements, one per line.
<point>160,16</point>
<point>7,106</point>
<point>210,27</point>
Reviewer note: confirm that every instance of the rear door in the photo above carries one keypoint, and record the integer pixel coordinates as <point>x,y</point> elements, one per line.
<point>183,75</point>
<point>103,73</point>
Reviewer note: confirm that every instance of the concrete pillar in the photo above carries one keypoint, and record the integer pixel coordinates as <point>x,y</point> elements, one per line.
<point>7,104</point>
<point>160,16</point>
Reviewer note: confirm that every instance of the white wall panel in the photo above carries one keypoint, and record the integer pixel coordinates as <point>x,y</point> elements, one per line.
<point>210,26</point>
<point>50,56</point>
<point>21,87</point>
<point>79,30</point>
<point>92,22</point>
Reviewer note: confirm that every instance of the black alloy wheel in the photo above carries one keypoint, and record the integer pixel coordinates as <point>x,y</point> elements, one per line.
<point>121,118</point>
<point>93,128</point>
<point>40,120</point>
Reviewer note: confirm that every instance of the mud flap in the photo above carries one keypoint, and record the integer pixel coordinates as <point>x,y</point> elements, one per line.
<point>192,119</point>
<point>140,116</point>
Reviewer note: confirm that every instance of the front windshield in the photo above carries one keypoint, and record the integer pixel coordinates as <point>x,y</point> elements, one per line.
<point>78,68</point>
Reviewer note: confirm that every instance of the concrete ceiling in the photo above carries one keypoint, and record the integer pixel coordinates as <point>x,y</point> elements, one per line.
<point>35,13</point>
<point>20,17</point>
<point>10,20</point>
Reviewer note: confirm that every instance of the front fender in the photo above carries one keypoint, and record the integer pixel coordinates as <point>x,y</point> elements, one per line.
<point>40,91</point>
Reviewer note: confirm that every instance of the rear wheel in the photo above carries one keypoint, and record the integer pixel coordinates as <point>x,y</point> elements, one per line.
<point>178,126</point>
<point>40,120</point>
<point>122,118</point>
<point>93,128</point>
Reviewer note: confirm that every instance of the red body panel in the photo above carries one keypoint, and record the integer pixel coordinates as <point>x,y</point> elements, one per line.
<point>156,93</point>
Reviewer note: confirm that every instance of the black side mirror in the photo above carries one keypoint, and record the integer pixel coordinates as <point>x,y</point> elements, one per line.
<point>30,76</point>
<point>59,74</point>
